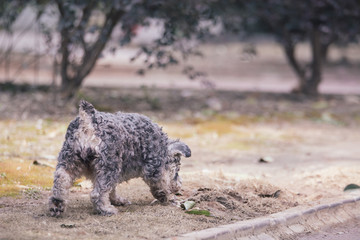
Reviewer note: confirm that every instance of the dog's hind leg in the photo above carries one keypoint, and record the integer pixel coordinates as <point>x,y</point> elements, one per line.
<point>101,200</point>
<point>117,200</point>
<point>104,183</point>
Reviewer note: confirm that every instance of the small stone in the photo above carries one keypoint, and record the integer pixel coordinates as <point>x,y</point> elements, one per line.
<point>266,160</point>
<point>297,228</point>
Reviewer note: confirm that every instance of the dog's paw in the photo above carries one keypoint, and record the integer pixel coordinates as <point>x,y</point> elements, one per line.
<point>155,202</point>
<point>118,201</point>
<point>56,207</point>
<point>161,196</point>
<point>158,202</point>
<point>107,211</point>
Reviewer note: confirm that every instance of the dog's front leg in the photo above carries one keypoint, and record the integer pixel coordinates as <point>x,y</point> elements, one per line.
<point>100,196</point>
<point>63,180</point>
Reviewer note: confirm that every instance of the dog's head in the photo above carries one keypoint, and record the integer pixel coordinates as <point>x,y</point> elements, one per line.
<point>176,149</point>
<point>170,181</point>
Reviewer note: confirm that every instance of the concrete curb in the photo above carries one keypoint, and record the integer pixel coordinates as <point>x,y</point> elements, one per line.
<point>284,225</point>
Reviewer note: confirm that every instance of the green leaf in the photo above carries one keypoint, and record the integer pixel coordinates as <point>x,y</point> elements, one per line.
<point>351,187</point>
<point>199,212</point>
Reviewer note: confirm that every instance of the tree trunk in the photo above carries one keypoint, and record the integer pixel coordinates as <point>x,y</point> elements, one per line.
<point>310,84</point>
<point>325,52</point>
<point>309,78</point>
<point>316,65</point>
<point>69,87</point>
<point>72,75</point>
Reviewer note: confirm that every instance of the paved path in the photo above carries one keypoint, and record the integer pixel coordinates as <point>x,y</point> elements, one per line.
<point>345,231</point>
<point>330,220</point>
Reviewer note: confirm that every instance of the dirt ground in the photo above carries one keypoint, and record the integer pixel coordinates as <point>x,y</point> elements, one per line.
<point>27,216</point>
<point>310,148</point>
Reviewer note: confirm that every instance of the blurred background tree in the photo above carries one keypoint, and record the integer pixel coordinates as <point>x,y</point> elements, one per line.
<point>85,27</point>
<point>9,12</point>
<point>320,23</point>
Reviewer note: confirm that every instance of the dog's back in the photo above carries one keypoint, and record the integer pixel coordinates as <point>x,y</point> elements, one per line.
<point>136,132</point>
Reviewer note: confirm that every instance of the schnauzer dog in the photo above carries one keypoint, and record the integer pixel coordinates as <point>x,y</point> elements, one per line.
<point>111,148</point>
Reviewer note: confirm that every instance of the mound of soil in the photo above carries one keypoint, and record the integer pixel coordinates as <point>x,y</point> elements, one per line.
<point>240,200</point>
<point>243,207</point>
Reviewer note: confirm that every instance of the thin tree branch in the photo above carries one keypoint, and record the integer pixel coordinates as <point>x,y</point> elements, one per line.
<point>65,41</point>
<point>80,29</point>
<point>93,53</point>
<point>289,49</point>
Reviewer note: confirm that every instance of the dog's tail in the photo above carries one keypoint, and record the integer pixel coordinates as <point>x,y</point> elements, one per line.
<point>86,111</point>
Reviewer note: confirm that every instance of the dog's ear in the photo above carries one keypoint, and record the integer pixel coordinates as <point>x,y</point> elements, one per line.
<point>179,148</point>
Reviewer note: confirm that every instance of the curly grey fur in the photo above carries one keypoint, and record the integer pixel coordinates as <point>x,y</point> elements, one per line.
<point>112,148</point>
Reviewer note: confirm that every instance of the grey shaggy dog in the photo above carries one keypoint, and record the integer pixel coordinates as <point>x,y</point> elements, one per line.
<point>112,148</point>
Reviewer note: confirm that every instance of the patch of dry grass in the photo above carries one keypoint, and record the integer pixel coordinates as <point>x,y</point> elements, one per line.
<point>7,190</point>
<point>16,175</point>
<point>31,139</point>
<point>23,142</point>
<point>223,133</point>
